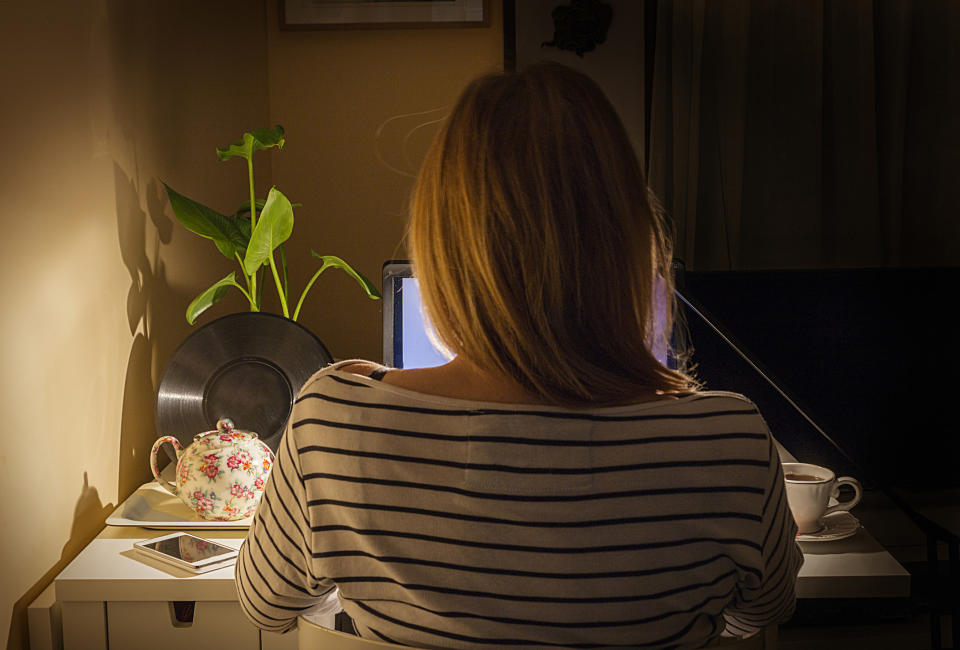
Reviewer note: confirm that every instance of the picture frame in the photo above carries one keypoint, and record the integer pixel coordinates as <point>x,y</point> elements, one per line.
<point>382,14</point>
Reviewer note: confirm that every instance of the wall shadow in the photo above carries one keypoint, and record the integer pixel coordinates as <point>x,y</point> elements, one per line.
<point>136,427</point>
<point>150,302</point>
<point>150,306</point>
<point>89,515</point>
<point>147,102</point>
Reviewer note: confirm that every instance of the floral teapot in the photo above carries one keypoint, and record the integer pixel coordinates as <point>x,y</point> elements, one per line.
<point>221,475</point>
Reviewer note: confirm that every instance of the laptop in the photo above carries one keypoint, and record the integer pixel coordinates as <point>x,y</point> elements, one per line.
<point>408,341</point>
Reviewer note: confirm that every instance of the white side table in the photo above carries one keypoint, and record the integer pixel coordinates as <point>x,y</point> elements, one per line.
<point>857,567</point>
<point>112,597</point>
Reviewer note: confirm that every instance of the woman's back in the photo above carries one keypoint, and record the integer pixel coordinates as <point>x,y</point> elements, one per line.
<point>450,523</point>
<point>555,484</point>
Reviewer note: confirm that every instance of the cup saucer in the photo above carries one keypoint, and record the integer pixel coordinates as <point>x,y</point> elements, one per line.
<point>839,525</point>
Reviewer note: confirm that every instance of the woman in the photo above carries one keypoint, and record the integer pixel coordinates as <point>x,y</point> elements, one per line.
<point>554,484</point>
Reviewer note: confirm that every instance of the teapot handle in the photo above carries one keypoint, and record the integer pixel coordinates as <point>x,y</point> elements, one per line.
<point>170,487</point>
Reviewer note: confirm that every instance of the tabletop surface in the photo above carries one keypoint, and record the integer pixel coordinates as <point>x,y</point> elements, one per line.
<point>110,569</point>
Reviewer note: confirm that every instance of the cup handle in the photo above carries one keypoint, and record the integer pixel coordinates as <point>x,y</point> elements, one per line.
<point>846,505</point>
<point>167,485</point>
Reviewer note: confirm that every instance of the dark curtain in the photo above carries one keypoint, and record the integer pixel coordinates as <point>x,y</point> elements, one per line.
<point>801,134</point>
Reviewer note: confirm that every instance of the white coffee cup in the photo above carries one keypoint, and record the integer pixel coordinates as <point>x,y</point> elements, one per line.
<point>809,489</point>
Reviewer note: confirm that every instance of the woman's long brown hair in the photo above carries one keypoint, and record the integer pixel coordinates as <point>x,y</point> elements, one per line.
<point>537,247</point>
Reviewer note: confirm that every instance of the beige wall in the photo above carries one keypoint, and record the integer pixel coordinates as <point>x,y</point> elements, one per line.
<point>346,97</point>
<point>102,99</point>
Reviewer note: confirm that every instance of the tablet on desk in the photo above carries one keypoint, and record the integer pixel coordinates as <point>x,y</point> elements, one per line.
<point>188,552</point>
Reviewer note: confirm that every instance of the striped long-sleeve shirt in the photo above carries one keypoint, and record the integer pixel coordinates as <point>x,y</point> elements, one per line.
<point>439,522</point>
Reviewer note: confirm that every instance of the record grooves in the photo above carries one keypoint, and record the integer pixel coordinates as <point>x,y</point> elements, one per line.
<point>248,367</point>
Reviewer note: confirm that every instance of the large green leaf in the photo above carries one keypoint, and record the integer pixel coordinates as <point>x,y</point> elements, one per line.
<point>242,219</point>
<point>211,296</point>
<point>332,261</point>
<point>273,228</point>
<point>255,140</point>
<point>206,222</point>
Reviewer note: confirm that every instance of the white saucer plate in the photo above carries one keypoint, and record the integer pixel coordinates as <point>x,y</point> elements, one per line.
<point>839,525</point>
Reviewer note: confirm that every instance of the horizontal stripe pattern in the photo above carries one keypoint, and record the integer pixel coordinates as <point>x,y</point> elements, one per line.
<point>441,523</point>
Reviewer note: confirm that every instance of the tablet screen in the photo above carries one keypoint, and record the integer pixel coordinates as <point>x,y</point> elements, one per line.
<point>189,548</point>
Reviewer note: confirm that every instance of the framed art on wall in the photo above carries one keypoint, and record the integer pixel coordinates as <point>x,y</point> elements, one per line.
<point>389,14</point>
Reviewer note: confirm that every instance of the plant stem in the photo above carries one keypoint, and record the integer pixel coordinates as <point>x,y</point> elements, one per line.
<point>253,223</point>
<point>243,270</point>
<point>253,305</point>
<point>286,282</point>
<point>276,278</point>
<point>296,312</point>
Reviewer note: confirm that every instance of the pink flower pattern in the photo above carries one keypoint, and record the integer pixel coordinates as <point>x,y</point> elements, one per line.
<point>234,478</point>
<point>201,502</point>
<point>210,466</point>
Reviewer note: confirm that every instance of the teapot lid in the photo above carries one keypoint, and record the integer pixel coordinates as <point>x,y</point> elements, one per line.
<point>226,427</point>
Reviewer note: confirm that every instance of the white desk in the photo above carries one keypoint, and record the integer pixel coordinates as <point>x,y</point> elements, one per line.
<point>856,567</point>
<point>110,598</point>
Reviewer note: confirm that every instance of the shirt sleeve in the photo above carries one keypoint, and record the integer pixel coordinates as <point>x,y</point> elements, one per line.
<point>771,598</point>
<point>273,572</point>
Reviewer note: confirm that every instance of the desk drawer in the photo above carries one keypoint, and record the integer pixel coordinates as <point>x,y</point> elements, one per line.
<point>152,625</point>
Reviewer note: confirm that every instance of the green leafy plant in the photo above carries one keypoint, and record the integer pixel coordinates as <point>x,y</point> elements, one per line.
<point>252,239</point>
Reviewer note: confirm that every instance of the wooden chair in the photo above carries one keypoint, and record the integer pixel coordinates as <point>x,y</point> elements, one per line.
<point>311,636</point>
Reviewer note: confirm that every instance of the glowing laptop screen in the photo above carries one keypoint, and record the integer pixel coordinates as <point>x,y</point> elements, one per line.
<point>407,337</point>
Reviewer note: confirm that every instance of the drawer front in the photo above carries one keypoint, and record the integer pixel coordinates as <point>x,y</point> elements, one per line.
<point>84,625</point>
<point>153,625</point>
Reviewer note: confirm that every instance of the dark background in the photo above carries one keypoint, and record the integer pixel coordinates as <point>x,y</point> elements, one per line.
<point>867,354</point>
<point>808,156</point>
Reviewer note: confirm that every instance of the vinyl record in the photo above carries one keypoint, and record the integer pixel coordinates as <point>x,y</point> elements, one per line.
<point>248,367</point>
